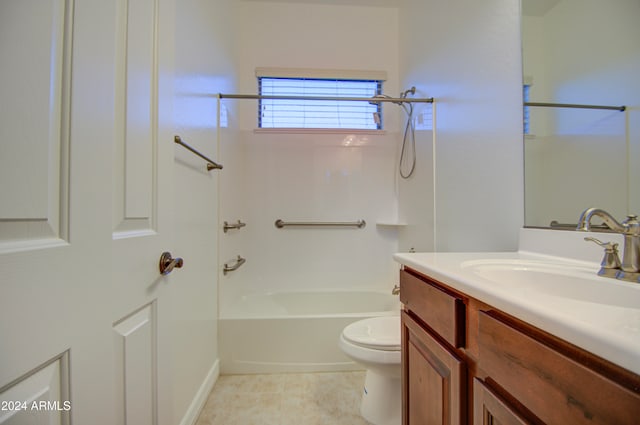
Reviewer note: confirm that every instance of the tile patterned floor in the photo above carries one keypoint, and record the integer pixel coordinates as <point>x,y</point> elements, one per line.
<point>285,399</point>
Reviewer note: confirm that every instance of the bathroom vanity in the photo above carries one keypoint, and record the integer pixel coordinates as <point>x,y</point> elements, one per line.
<point>482,343</point>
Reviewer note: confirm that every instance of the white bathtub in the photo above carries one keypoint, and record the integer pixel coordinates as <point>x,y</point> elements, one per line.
<point>294,331</point>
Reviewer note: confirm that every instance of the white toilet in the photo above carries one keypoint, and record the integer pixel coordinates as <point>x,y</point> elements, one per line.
<point>375,344</point>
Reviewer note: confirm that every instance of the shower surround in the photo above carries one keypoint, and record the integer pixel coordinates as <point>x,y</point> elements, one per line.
<point>310,176</point>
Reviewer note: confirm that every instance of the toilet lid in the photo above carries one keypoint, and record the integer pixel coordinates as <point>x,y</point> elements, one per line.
<point>378,333</point>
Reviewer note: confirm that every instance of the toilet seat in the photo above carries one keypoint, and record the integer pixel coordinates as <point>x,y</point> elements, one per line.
<point>376,333</point>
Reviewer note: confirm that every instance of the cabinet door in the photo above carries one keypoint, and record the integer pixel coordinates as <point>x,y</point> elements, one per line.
<point>489,409</point>
<point>433,379</point>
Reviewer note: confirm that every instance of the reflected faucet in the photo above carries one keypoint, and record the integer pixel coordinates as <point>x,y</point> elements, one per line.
<point>630,229</point>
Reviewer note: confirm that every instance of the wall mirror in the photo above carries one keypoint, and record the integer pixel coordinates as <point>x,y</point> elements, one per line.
<point>587,53</point>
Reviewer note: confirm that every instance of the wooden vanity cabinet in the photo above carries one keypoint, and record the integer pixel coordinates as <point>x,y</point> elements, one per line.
<point>433,373</point>
<point>465,362</point>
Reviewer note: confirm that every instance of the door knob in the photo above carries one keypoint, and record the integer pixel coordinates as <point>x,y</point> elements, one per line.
<point>167,263</point>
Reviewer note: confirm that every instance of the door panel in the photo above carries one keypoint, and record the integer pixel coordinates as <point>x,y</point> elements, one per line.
<point>136,351</point>
<point>35,44</point>
<point>142,205</point>
<point>33,156</point>
<point>142,193</point>
<point>82,229</point>
<point>41,396</point>
<point>135,186</point>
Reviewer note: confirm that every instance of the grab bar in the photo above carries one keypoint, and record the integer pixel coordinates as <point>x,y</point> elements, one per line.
<point>239,261</point>
<point>211,165</point>
<point>359,224</point>
<point>228,226</point>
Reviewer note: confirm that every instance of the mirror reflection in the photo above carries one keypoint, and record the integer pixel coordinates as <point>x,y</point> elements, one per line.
<point>581,52</point>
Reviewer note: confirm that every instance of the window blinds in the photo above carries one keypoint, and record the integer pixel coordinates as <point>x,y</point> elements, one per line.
<point>325,114</point>
<point>526,90</point>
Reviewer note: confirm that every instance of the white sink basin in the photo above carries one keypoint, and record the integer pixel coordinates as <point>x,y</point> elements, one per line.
<point>566,280</point>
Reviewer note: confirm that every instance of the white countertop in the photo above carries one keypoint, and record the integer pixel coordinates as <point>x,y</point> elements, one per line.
<point>610,330</point>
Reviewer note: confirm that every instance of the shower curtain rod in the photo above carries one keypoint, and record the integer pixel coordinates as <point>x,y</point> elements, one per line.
<point>572,105</point>
<point>367,99</point>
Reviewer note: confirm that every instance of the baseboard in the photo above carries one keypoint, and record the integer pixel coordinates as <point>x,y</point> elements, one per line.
<point>201,396</point>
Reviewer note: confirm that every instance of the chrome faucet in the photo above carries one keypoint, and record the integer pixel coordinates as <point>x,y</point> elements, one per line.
<point>630,229</point>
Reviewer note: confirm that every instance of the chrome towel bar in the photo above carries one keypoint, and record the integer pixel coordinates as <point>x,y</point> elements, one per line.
<point>227,268</point>
<point>211,165</point>
<point>359,224</point>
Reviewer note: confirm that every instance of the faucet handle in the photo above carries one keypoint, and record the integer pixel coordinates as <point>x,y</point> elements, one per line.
<point>611,260</point>
<point>632,225</point>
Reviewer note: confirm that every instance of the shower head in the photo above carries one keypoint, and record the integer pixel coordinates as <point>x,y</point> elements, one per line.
<point>404,94</point>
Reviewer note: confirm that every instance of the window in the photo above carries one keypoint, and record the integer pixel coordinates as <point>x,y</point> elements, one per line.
<point>319,114</point>
<point>526,111</point>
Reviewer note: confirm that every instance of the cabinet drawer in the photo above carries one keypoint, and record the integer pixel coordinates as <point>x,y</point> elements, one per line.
<point>442,311</point>
<point>550,384</point>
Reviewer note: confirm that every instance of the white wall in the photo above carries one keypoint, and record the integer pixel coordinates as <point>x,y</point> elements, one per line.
<point>272,34</point>
<point>310,176</point>
<point>203,67</point>
<point>466,54</point>
<point>310,179</point>
<point>586,52</point>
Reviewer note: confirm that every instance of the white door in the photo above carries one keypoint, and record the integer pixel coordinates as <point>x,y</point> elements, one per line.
<point>85,194</point>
